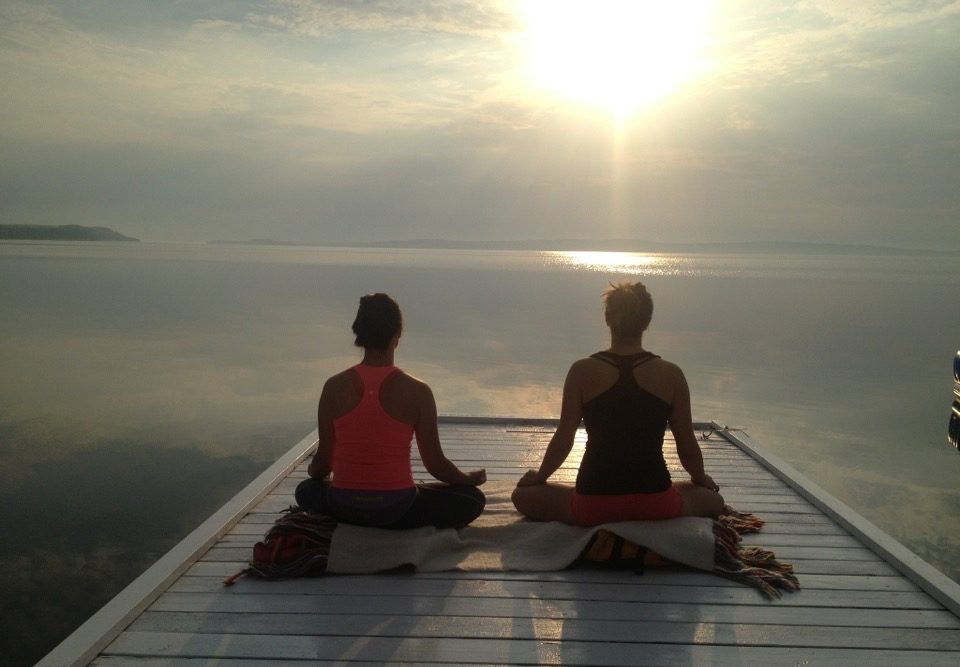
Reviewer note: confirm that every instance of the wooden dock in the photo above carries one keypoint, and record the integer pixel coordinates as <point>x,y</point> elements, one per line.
<point>865,599</point>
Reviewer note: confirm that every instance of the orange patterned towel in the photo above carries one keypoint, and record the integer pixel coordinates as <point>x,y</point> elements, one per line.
<point>753,566</point>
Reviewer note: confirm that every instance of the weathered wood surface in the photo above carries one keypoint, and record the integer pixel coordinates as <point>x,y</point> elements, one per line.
<point>854,608</point>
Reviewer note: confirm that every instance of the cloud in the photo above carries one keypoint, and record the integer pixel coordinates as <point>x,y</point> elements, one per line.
<point>884,13</point>
<point>355,121</point>
<point>807,41</point>
<point>65,80</point>
<point>319,18</point>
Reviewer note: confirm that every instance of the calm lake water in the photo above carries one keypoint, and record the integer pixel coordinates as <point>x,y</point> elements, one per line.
<point>143,385</point>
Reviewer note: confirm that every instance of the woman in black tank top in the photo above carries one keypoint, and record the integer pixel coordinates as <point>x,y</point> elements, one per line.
<point>626,398</point>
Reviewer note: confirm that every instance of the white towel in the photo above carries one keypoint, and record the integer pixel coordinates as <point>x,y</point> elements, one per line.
<point>501,539</point>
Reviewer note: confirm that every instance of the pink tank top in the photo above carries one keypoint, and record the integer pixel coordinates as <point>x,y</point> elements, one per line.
<point>371,449</point>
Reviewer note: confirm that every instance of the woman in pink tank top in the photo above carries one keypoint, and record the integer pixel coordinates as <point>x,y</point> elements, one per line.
<point>367,417</point>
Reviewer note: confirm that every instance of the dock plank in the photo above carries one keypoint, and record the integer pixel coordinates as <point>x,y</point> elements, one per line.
<point>757,611</point>
<point>464,650</point>
<point>388,586</point>
<point>623,630</point>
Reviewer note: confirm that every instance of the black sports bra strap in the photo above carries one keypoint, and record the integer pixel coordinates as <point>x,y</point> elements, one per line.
<point>623,362</point>
<point>650,356</point>
<point>602,356</point>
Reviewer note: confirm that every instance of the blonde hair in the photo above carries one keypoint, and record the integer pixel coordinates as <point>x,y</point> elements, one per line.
<point>627,309</point>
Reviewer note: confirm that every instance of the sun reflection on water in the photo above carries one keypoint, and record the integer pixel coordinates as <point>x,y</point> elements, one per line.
<point>615,262</point>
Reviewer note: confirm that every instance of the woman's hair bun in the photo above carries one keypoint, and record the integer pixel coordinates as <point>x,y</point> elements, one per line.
<point>378,321</point>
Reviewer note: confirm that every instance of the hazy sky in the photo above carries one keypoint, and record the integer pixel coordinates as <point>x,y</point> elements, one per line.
<point>311,121</point>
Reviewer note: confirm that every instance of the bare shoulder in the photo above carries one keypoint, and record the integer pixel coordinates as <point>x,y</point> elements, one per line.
<point>410,384</point>
<point>666,368</point>
<point>341,381</point>
<point>585,366</point>
<point>408,399</point>
<point>341,393</point>
<point>662,378</point>
<point>587,378</point>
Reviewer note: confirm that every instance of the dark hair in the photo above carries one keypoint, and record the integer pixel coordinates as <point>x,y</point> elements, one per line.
<point>378,321</point>
<point>627,308</point>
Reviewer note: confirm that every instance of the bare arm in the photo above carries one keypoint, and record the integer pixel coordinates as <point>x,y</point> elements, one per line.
<point>688,449</point>
<point>571,413</point>
<point>428,443</point>
<point>322,462</point>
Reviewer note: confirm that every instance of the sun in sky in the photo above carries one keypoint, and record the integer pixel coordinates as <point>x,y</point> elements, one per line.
<point>618,55</point>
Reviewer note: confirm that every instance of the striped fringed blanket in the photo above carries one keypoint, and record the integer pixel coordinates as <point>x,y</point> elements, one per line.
<point>751,565</point>
<point>501,539</point>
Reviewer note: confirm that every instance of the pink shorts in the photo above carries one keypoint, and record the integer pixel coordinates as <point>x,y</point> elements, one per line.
<point>592,510</point>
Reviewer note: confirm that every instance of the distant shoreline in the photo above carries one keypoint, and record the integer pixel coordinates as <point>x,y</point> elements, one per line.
<point>619,245</point>
<point>788,248</point>
<point>61,233</point>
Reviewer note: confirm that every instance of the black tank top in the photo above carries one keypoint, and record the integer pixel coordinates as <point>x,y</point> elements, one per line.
<point>625,427</point>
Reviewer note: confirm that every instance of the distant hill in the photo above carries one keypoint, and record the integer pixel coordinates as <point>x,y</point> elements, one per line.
<point>60,233</point>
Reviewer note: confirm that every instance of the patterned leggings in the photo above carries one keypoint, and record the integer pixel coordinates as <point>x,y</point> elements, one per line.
<point>439,505</point>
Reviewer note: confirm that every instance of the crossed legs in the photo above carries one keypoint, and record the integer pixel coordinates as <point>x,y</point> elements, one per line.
<point>553,501</point>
